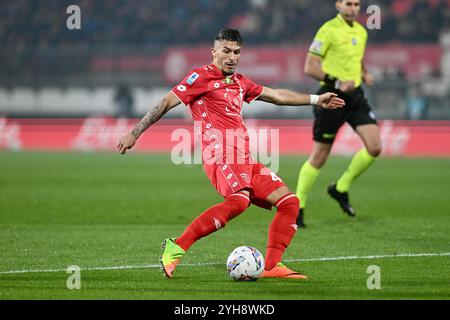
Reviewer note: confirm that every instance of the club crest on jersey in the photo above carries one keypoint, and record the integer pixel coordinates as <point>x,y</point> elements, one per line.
<point>192,78</point>
<point>354,41</point>
<point>228,80</point>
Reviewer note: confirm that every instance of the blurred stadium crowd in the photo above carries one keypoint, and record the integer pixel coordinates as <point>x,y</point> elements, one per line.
<point>143,22</point>
<point>127,46</point>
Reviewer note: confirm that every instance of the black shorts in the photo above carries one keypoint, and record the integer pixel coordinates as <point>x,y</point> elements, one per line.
<point>356,112</point>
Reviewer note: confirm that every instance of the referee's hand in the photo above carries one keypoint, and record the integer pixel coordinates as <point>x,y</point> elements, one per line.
<point>369,79</point>
<point>330,100</point>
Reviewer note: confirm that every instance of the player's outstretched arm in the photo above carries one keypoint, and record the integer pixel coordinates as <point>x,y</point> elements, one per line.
<point>153,115</point>
<point>284,97</point>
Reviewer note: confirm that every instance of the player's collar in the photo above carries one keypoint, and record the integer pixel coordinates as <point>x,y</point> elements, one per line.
<point>218,72</point>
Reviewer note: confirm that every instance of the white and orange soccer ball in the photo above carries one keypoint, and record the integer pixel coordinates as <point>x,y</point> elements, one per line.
<point>245,263</point>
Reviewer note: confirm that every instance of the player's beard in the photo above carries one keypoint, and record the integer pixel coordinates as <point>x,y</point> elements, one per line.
<point>230,71</point>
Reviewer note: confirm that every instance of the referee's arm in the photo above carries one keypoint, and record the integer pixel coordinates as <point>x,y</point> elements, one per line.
<point>367,77</point>
<point>313,67</point>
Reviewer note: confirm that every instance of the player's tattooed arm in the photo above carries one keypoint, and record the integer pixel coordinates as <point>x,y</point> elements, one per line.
<point>128,141</point>
<point>150,118</point>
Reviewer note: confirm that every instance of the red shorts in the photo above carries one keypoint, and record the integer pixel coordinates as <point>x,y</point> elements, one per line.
<point>231,178</point>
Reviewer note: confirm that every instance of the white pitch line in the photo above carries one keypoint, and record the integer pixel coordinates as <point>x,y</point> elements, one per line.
<point>151,266</point>
<point>399,255</point>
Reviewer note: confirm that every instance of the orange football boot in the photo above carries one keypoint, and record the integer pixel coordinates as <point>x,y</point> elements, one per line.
<point>281,271</point>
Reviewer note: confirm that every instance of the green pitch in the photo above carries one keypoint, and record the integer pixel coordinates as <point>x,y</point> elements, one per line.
<point>108,214</point>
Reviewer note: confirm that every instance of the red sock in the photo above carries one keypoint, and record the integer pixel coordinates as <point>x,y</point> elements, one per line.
<point>213,219</point>
<point>282,229</point>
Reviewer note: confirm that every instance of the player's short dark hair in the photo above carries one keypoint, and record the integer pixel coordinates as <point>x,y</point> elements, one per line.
<point>226,34</point>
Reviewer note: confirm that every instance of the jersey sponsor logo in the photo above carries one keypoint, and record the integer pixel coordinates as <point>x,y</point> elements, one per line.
<point>181,88</point>
<point>192,78</point>
<point>316,46</point>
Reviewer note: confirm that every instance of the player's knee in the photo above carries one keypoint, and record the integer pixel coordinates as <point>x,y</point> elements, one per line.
<point>289,203</point>
<point>288,208</point>
<point>237,204</point>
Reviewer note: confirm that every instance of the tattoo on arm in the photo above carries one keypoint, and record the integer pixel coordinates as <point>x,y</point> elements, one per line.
<point>150,118</point>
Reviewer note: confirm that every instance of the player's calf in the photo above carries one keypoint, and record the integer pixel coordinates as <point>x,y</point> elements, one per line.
<point>211,220</point>
<point>282,229</point>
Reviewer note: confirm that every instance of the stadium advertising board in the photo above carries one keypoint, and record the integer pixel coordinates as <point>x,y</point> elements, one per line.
<point>400,138</point>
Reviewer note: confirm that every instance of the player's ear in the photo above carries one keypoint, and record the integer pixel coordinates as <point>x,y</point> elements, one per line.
<point>213,52</point>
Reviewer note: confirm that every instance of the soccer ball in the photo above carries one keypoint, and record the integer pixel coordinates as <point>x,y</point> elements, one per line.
<point>245,263</point>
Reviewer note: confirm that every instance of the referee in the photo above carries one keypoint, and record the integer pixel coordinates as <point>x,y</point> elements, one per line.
<point>335,59</point>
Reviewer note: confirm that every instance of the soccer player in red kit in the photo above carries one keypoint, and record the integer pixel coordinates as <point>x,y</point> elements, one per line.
<point>215,95</point>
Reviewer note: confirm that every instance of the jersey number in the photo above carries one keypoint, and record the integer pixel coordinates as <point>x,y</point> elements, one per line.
<point>275,177</point>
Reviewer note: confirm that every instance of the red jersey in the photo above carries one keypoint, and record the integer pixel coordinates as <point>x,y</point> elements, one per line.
<point>215,102</point>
